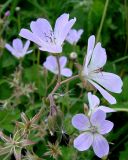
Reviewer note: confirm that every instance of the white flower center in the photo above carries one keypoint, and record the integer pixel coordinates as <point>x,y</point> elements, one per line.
<point>93,129</point>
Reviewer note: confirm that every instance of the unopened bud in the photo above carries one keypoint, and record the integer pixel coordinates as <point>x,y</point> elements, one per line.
<point>73,55</point>
<point>17,8</point>
<point>7,13</point>
<point>56,97</point>
<point>85,108</point>
<point>53,111</point>
<point>55,119</point>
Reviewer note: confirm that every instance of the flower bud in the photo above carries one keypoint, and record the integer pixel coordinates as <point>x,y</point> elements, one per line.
<point>85,108</point>
<point>54,119</point>
<point>17,8</point>
<point>7,13</point>
<point>73,55</point>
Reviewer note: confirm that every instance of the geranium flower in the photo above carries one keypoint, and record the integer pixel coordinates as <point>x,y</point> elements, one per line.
<point>74,36</point>
<point>95,59</point>
<point>47,39</point>
<point>93,129</point>
<point>52,65</point>
<point>94,104</point>
<point>17,49</point>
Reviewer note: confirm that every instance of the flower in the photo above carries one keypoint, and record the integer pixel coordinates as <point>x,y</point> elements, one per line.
<point>17,49</point>
<point>52,65</point>
<point>43,35</point>
<point>7,13</point>
<point>74,36</point>
<point>93,129</point>
<point>95,59</point>
<point>94,103</point>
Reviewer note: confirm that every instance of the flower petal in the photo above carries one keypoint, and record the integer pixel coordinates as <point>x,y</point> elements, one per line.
<point>26,46</point>
<point>51,64</point>
<point>81,122</point>
<point>97,117</point>
<point>9,48</point>
<point>100,146</point>
<point>110,81</point>
<point>93,101</point>
<point>83,141</point>
<point>25,33</point>
<point>106,109</point>
<point>17,44</point>
<point>72,36</point>
<point>104,93</point>
<point>63,61</point>
<point>91,43</point>
<point>96,62</point>
<point>42,28</point>
<point>105,127</point>
<point>62,27</point>
<point>51,48</point>
<point>66,72</point>
<point>59,26</point>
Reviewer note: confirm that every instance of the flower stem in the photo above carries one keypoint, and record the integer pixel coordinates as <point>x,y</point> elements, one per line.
<point>121,109</point>
<point>59,74</point>
<point>62,82</point>
<point>102,21</point>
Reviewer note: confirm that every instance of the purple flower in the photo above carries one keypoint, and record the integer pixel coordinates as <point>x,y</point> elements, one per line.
<point>52,65</point>
<point>7,13</point>
<point>95,59</point>
<point>47,39</point>
<point>74,36</point>
<point>17,49</point>
<point>94,104</point>
<point>93,128</point>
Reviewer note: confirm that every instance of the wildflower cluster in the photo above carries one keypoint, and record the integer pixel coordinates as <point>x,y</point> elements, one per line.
<point>49,120</point>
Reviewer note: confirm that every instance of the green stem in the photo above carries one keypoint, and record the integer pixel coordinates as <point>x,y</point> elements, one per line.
<point>62,82</point>
<point>102,21</point>
<point>38,58</point>
<point>121,109</point>
<point>59,74</point>
<point>120,59</point>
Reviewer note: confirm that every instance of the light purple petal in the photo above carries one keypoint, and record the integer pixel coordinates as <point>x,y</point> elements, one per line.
<point>81,122</point>
<point>51,48</point>
<point>80,32</point>
<point>96,62</point>
<point>93,101</point>
<point>66,72</point>
<point>100,146</point>
<point>110,81</point>
<point>97,117</point>
<point>30,51</point>
<point>26,46</point>
<point>66,29</point>
<point>42,28</point>
<point>105,127</point>
<point>9,48</point>
<point>91,43</point>
<point>104,93</point>
<point>17,44</point>
<point>74,35</point>
<point>25,33</point>
<point>83,141</point>
<point>63,61</point>
<point>51,64</point>
<point>71,37</point>
<point>59,27</point>
<point>106,109</point>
